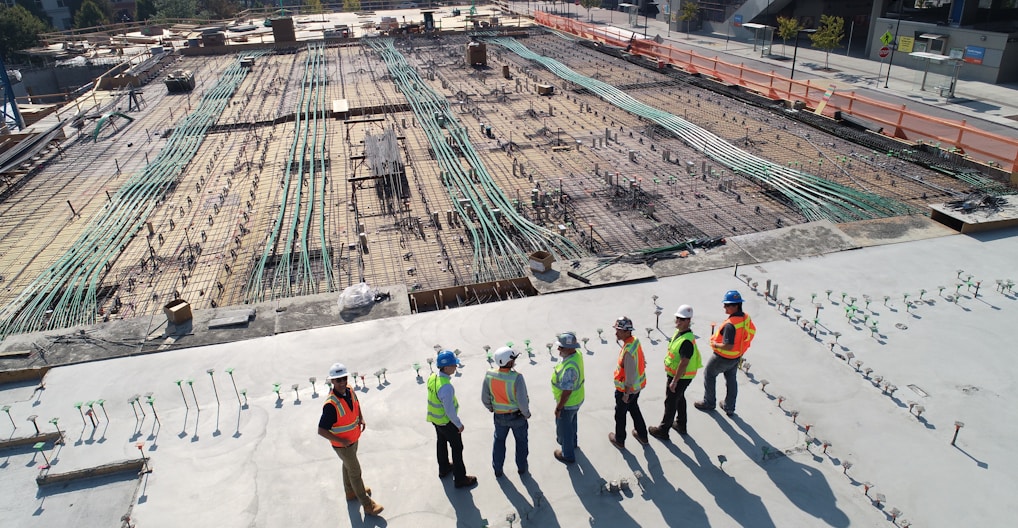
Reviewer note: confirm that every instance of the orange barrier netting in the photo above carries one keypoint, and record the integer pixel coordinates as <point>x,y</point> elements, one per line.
<point>896,120</point>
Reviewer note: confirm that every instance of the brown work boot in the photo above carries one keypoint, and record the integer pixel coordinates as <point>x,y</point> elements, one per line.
<point>372,508</point>
<point>353,496</point>
<point>658,432</point>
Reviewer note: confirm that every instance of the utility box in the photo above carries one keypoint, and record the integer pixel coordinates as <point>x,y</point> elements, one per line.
<point>178,311</point>
<point>477,54</point>
<point>545,89</point>
<point>283,30</point>
<point>540,261</point>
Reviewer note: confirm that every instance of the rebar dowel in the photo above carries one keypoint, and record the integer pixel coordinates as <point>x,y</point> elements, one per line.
<point>180,385</point>
<point>7,409</point>
<point>152,405</point>
<point>211,373</point>
<point>234,382</point>
<point>190,383</point>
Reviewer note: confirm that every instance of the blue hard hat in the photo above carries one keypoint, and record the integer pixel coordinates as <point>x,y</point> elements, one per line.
<point>733,297</point>
<point>447,358</point>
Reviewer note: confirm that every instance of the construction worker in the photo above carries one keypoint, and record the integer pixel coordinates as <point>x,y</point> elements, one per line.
<point>567,387</point>
<point>504,393</point>
<point>681,364</point>
<point>341,424</point>
<point>729,342</point>
<point>630,378</point>
<point>442,412</point>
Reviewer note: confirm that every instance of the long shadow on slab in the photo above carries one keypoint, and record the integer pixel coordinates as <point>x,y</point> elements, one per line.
<point>747,509</point>
<point>803,485</point>
<point>462,500</point>
<point>529,514</point>
<point>673,503</point>
<point>366,521</point>
<point>603,511</point>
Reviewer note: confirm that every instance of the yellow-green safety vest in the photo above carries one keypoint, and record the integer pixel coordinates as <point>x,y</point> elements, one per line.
<point>672,358</point>
<point>436,411</point>
<point>575,362</point>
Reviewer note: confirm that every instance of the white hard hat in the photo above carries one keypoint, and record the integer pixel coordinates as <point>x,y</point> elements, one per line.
<point>338,370</point>
<point>685,311</point>
<point>504,355</point>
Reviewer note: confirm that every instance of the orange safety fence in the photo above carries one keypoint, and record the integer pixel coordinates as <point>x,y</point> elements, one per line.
<point>896,120</point>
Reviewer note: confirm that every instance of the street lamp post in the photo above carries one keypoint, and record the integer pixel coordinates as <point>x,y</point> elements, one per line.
<point>890,61</point>
<point>795,52</point>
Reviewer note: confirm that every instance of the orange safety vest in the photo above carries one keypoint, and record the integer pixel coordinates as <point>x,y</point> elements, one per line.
<point>745,331</point>
<point>503,391</point>
<point>348,420</point>
<point>631,347</point>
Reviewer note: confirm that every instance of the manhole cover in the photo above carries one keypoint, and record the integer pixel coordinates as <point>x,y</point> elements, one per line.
<point>901,326</point>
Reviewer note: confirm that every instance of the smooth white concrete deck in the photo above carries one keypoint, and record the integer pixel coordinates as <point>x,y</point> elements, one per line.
<point>265,466</point>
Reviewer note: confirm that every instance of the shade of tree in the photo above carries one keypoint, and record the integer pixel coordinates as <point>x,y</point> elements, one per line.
<point>176,8</point>
<point>144,10</point>
<point>90,15</point>
<point>19,29</point>
<point>828,36</point>
<point>787,28</point>
<point>590,4</point>
<point>688,13</point>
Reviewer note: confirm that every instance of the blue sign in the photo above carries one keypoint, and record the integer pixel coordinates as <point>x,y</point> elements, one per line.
<point>974,54</point>
<point>738,20</point>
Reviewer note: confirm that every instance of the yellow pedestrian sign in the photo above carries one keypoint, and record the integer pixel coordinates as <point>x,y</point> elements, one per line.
<point>887,38</point>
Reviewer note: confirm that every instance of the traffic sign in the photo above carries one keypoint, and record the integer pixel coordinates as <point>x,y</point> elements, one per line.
<point>886,38</point>
<point>884,51</point>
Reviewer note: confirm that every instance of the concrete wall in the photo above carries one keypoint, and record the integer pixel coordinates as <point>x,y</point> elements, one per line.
<point>999,64</point>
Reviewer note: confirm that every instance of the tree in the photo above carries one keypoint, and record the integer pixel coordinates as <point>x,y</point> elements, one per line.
<point>144,10</point>
<point>351,5</point>
<point>176,8</point>
<point>829,36</point>
<point>218,9</point>
<point>19,29</point>
<point>590,4</point>
<point>315,6</point>
<point>90,15</point>
<point>787,28</point>
<point>688,13</point>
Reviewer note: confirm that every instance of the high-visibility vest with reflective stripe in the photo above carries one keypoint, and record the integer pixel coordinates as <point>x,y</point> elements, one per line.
<point>436,411</point>
<point>631,347</point>
<point>745,331</point>
<point>348,419</point>
<point>503,390</point>
<point>573,361</point>
<point>672,359</point>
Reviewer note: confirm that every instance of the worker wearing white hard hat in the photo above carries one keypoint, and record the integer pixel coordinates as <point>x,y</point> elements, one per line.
<point>341,424</point>
<point>504,393</point>
<point>681,363</point>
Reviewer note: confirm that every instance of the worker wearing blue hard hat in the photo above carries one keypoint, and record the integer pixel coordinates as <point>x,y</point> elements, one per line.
<point>442,413</point>
<point>729,343</point>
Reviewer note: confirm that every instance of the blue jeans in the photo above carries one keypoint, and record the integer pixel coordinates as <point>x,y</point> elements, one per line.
<point>719,365</point>
<point>565,432</point>
<point>519,426</point>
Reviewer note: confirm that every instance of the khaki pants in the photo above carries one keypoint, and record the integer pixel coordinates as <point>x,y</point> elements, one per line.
<point>352,483</point>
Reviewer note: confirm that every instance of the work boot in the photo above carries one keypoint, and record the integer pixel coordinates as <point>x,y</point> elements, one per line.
<point>702,405</point>
<point>681,429</point>
<point>642,439</point>
<point>353,496</point>
<point>372,508</point>
<point>658,432</point>
<point>467,482</point>
<point>615,442</point>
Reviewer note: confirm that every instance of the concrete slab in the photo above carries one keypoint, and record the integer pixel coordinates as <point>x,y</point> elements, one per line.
<point>263,465</point>
<point>598,272</point>
<point>881,231</point>
<point>815,238</point>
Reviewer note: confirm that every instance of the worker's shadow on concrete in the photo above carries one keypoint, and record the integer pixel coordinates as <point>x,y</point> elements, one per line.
<point>357,520</point>
<point>789,476</point>
<point>744,507</point>
<point>673,503</point>
<point>539,513</point>
<point>462,501</point>
<point>602,510</point>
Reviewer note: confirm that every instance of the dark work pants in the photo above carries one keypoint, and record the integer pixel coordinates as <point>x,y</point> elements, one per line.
<point>449,438</point>
<point>675,404</point>
<point>633,408</point>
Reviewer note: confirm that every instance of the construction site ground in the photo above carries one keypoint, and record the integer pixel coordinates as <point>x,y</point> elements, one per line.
<point>872,394</point>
